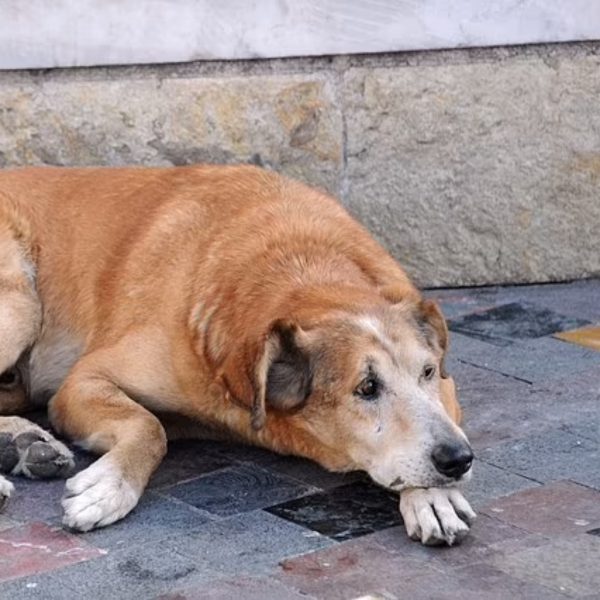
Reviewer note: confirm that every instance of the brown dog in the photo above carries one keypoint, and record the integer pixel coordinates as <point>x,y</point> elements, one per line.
<point>221,302</point>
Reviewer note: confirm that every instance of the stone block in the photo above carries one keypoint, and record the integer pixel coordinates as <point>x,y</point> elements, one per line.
<point>549,456</point>
<point>478,170</point>
<point>248,544</point>
<point>566,565</point>
<point>287,121</point>
<point>561,508</point>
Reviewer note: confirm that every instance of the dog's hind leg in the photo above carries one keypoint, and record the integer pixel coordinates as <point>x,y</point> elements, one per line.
<point>97,413</point>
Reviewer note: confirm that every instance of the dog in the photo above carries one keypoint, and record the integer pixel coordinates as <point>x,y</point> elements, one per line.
<point>224,302</point>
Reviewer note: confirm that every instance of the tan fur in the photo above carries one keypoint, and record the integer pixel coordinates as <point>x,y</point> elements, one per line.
<point>173,290</point>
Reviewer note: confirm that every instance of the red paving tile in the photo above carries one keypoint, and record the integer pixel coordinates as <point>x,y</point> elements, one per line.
<point>38,548</point>
<point>351,569</point>
<point>560,508</point>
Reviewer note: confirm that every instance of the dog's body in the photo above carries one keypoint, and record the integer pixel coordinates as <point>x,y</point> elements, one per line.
<point>220,301</point>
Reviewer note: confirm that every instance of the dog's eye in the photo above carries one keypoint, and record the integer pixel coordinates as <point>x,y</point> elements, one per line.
<point>428,372</point>
<point>368,388</point>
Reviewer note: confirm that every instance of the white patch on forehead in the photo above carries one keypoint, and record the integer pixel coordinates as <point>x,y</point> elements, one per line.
<point>373,326</point>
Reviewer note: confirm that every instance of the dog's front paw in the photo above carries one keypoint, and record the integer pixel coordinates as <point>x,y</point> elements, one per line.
<point>436,516</point>
<point>27,449</point>
<point>98,496</point>
<point>6,489</point>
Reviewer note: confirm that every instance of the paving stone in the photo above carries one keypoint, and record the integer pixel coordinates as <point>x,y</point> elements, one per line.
<point>248,544</point>
<point>37,548</point>
<point>37,500</point>
<point>540,361</point>
<point>243,588</point>
<point>6,523</point>
<point>577,298</point>
<point>345,512</point>
<point>38,587</point>
<point>135,572</point>
<point>499,408</point>
<point>568,565</point>
<point>552,455</point>
<point>558,508</point>
<point>486,532</point>
<point>153,519</point>
<point>490,482</point>
<point>187,460</point>
<point>512,409</point>
<point>520,320</point>
<point>476,582</point>
<point>352,569</point>
<point>238,489</point>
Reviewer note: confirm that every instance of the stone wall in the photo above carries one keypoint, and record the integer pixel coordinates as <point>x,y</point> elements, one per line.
<point>472,166</point>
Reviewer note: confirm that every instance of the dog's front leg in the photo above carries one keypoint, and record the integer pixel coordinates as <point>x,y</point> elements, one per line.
<point>436,516</point>
<point>96,413</point>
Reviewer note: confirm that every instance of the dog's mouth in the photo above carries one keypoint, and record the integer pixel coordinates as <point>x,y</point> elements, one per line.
<point>440,481</point>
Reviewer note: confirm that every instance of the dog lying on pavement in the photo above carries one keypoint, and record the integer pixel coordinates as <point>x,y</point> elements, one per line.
<point>220,302</point>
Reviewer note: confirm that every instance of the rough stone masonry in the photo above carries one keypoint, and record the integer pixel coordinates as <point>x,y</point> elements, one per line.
<point>472,166</point>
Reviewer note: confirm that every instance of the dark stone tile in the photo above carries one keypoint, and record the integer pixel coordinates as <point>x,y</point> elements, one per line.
<point>567,565</point>
<point>351,570</point>
<point>515,320</point>
<point>187,460</point>
<point>244,588</point>
<point>238,489</point>
<point>37,548</point>
<point>153,519</point>
<point>558,508</point>
<point>345,512</point>
<point>248,544</point>
<point>549,456</point>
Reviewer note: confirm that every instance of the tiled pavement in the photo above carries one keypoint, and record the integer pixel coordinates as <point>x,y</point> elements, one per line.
<point>224,521</point>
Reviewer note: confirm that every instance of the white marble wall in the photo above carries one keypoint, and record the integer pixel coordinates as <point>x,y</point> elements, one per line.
<point>65,33</point>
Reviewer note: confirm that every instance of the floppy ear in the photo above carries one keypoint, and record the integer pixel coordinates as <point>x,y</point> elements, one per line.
<point>433,324</point>
<point>273,371</point>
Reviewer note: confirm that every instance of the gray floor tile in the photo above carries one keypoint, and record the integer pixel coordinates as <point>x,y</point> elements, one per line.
<point>568,565</point>
<point>549,456</point>
<point>247,544</point>
<point>153,519</point>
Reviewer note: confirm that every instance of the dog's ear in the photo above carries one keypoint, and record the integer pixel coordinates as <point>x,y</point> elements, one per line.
<point>433,324</point>
<point>273,371</point>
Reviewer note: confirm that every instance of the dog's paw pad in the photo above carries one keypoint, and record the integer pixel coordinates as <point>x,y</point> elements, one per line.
<point>9,455</point>
<point>38,455</point>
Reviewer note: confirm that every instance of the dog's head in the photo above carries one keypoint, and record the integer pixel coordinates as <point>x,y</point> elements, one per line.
<point>360,390</point>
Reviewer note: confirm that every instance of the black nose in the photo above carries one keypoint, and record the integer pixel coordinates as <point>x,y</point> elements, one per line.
<point>452,459</point>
